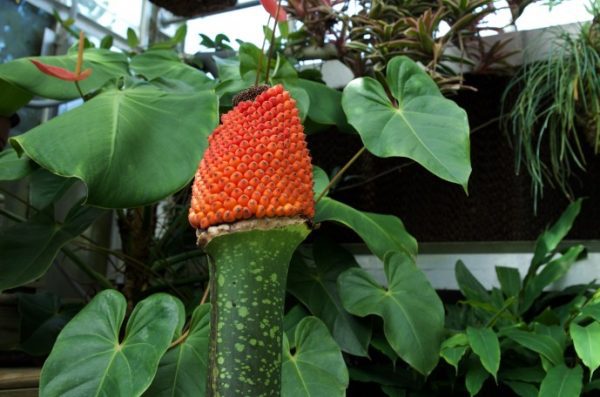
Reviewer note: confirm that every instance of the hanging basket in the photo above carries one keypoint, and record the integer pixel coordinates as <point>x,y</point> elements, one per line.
<point>194,8</point>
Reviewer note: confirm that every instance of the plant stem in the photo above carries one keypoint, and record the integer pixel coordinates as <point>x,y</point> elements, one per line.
<point>272,46</point>
<point>79,90</point>
<point>248,280</point>
<point>340,173</point>
<point>103,281</point>
<point>11,215</point>
<point>260,57</point>
<point>79,53</point>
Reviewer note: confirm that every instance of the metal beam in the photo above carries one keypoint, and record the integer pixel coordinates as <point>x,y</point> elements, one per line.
<point>168,21</point>
<point>86,24</point>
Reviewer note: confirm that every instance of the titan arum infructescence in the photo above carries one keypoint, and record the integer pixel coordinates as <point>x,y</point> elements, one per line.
<point>252,204</point>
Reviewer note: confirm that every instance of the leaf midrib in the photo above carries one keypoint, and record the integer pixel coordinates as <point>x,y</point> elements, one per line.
<point>400,112</point>
<point>412,328</point>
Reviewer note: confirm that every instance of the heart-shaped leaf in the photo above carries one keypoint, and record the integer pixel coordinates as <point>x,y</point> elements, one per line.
<point>415,337</point>
<point>484,343</point>
<point>313,281</point>
<point>29,248</point>
<point>12,98</point>
<point>13,167</point>
<point>182,370</point>
<point>43,316</point>
<point>420,124</point>
<point>129,145</point>
<point>105,64</point>
<point>381,233</point>
<point>325,104</point>
<point>316,367</point>
<point>45,188</point>
<point>166,64</point>
<point>91,359</point>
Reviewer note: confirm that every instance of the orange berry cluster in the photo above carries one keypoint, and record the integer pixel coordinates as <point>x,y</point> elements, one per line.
<point>256,165</point>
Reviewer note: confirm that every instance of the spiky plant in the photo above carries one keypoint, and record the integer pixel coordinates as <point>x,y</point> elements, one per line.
<point>557,108</point>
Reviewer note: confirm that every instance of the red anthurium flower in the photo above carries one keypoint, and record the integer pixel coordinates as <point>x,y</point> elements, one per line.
<point>271,7</point>
<point>61,73</point>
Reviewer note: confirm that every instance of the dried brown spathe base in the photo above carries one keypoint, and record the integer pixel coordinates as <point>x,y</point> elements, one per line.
<point>204,236</point>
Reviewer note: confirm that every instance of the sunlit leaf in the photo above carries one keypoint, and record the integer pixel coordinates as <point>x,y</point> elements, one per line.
<point>129,145</point>
<point>420,124</point>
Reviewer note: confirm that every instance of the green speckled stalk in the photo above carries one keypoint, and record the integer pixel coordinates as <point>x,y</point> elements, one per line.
<point>248,279</point>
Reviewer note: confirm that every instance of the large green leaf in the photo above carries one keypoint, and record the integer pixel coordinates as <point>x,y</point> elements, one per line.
<point>522,389</point>
<point>314,283</point>
<point>587,344</point>
<point>470,287</point>
<point>298,93</point>
<point>12,98</point>
<point>510,280</point>
<point>545,345</point>
<point>105,65</point>
<point>90,358</point>
<point>130,145</point>
<point>420,124</point>
<point>325,103</point>
<point>454,348</point>
<point>166,64</point>
<point>475,376</point>
<point>562,381</point>
<point>182,370</point>
<point>320,181</point>
<point>42,318</point>
<point>316,368</point>
<point>549,240</point>
<point>415,337</point>
<point>29,248</point>
<point>13,167</point>
<point>381,233</point>
<point>45,188</point>
<point>484,343</point>
<point>551,272</point>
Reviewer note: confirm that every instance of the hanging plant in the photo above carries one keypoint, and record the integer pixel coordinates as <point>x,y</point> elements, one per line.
<point>557,111</point>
